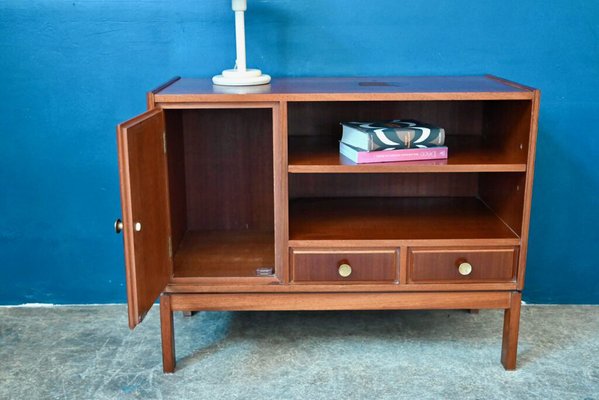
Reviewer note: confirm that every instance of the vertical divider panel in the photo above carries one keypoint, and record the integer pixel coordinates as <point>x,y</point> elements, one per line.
<point>280,155</point>
<point>403,265</point>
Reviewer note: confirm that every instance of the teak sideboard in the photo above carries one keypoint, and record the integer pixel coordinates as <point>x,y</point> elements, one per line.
<point>238,199</point>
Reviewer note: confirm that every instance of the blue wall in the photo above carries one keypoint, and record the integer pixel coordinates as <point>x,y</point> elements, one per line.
<point>71,70</point>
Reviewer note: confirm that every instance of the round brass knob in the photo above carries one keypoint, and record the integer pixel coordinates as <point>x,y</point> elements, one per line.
<point>465,268</point>
<point>118,226</point>
<point>344,270</point>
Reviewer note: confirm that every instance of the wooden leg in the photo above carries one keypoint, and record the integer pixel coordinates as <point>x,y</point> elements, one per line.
<point>511,326</point>
<point>168,334</point>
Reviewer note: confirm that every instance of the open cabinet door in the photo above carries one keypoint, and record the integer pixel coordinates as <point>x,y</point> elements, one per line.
<point>144,197</point>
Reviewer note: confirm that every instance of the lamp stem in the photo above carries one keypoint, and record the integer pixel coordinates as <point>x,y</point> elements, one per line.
<point>240,75</point>
<point>240,35</point>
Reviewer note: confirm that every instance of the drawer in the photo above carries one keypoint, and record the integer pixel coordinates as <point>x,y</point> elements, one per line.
<point>344,266</point>
<point>442,265</point>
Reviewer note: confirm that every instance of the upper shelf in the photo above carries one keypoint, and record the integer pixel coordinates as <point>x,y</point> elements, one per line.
<point>486,87</point>
<point>466,154</point>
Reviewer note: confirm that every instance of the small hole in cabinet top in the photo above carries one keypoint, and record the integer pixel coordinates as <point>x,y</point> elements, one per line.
<point>379,84</point>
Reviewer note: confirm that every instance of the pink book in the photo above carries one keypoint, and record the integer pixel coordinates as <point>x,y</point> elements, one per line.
<point>415,154</point>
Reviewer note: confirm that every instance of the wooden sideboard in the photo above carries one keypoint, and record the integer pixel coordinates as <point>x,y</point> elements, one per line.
<point>238,199</point>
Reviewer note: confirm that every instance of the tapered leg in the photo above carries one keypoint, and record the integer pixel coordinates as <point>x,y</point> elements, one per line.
<point>168,334</point>
<point>511,326</point>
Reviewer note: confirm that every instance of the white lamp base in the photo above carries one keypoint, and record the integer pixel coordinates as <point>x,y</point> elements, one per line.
<point>235,77</point>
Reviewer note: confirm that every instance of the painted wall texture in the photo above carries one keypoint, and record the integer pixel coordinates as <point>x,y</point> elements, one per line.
<point>71,70</point>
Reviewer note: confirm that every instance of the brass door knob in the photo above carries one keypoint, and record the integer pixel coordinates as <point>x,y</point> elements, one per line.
<point>118,226</point>
<point>465,268</point>
<point>344,270</point>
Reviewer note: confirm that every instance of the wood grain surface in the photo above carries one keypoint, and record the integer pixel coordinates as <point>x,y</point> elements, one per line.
<point>144,199</point>
<point>351,88</point>
<point>339,301</point>
<point>367,265</point>
<point>394,218</point>
<point>224,253</point>
<point>440,265</point>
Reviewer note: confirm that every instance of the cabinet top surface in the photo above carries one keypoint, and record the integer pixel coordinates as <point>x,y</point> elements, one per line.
<point>426,87</point>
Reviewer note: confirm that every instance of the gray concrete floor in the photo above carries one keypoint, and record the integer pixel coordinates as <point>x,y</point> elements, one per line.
<point>89,353</point>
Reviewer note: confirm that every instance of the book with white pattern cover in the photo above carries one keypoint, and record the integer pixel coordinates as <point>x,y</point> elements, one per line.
<point>397,134</point>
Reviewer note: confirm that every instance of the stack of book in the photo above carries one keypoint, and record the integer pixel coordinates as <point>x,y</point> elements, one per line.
<point>391,141</point>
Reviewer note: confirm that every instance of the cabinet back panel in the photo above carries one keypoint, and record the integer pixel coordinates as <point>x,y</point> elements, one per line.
<point>323,118</point>
<point>229,169</point>
<point>383,185</point>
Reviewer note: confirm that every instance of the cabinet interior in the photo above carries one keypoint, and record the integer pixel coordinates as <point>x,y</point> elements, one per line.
<point>334,204</point>
<point>220,170</point>
<point>477,132</point>
<point>405,206</point>
<point>220,173</point>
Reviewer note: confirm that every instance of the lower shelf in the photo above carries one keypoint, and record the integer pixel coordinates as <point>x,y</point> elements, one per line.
<point>393,218</point>
<point>223,254</point>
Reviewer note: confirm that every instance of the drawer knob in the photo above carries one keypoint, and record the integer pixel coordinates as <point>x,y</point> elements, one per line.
<point>118,225</point>
<point>344,270</point>
<point>465,268</point>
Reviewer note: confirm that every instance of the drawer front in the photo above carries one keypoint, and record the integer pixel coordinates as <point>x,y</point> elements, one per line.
<point>431,265</point>
<point>344,266</point>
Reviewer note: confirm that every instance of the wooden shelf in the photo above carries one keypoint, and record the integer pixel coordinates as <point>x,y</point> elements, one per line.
<point>219,254</point>
<point>428,218</point>
<point>318,154</point>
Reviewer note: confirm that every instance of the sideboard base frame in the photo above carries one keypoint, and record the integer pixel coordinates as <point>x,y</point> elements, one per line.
<point>190,302</point>
<point>239,200</point>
